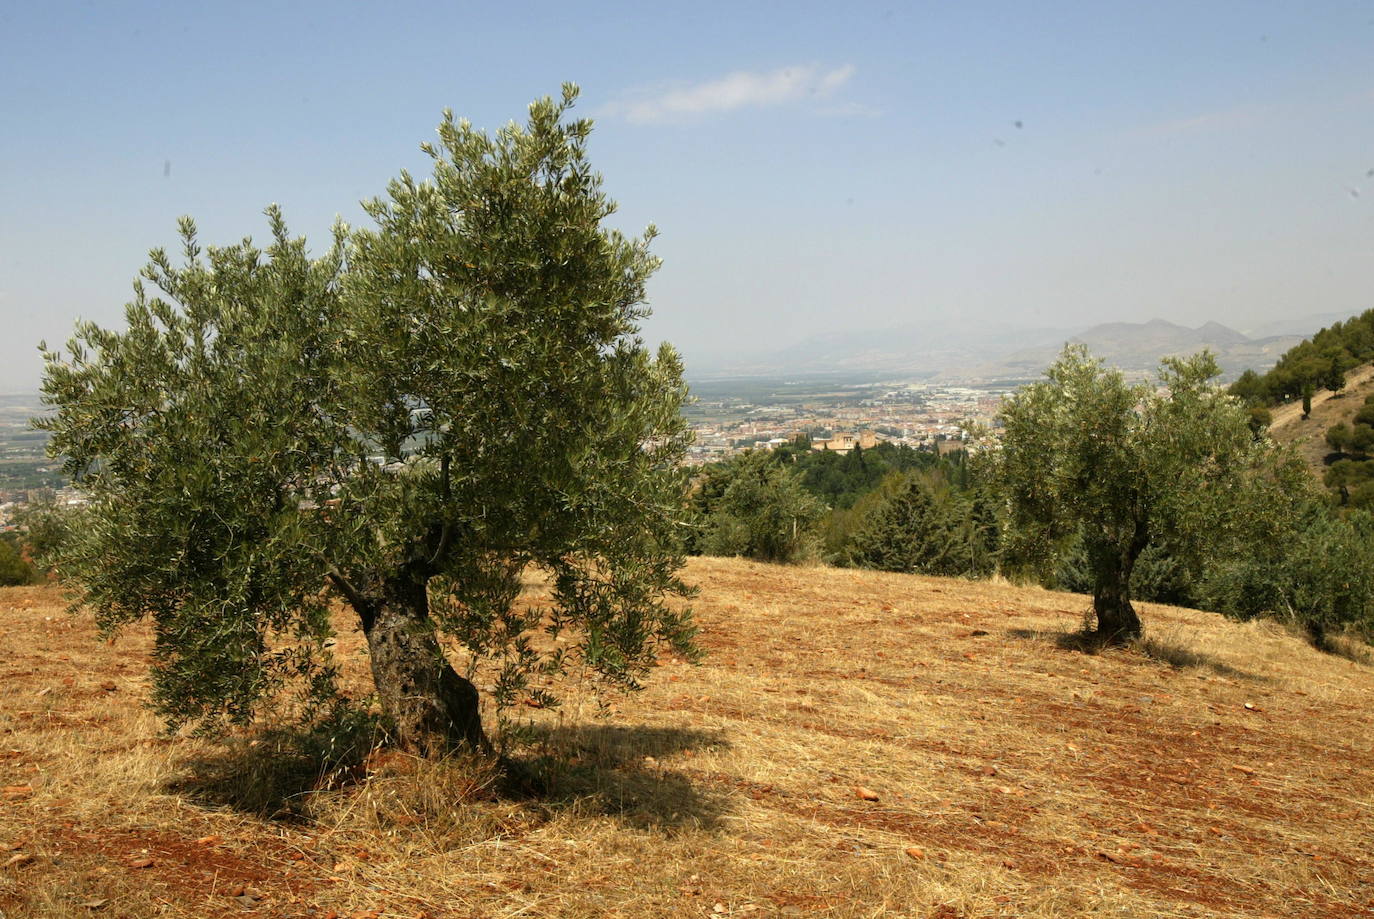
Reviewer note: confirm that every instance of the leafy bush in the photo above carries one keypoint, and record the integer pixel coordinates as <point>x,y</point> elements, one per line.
<point>841,479</point>
<point>46,527</point>
<point>923,525</point>
<point>849,488</point>
<point>1338,436</point>
<point>14,570</point>
<point>1318,579</point>
<point>763,513</point>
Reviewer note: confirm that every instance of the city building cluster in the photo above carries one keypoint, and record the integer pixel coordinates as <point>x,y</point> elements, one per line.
<point>924,416</point>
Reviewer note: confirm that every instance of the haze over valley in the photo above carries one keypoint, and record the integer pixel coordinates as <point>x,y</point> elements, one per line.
<point>967,351</point>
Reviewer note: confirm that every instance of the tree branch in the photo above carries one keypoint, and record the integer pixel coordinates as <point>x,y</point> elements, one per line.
<point>356,599</point>
<point>446,529</point>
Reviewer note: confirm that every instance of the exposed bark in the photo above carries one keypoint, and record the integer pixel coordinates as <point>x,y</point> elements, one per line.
<point>433,710</point>
<point>1117,622</point>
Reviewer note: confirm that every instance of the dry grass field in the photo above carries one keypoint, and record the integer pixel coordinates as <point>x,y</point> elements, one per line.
<point>854,745</point>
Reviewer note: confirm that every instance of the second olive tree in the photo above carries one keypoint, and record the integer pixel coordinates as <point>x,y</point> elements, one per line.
<point>1123,467</point>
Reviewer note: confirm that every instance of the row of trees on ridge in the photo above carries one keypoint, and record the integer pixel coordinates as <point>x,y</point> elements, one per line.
<point>1320,362</point>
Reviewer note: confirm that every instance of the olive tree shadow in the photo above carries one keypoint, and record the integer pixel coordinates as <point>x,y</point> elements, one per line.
<point>602,769</point>
<point>615,771</point>
<point>1188,659</point>
<point>1083,640</point>
<point>1086,641</point>
<point>273,771</point>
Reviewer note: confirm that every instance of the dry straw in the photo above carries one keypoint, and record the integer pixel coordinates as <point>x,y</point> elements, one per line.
<point>1216,770</point>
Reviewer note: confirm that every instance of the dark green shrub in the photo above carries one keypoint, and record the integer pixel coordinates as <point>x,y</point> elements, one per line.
<point>1338,437</point>
<point>13,569</point>
<point>763,513</point>
<point>924,526</point>
<point>1317,576</point>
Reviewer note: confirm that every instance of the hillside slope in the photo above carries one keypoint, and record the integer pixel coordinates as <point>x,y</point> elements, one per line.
<point>1225,774</point>
<point>1328,408</point>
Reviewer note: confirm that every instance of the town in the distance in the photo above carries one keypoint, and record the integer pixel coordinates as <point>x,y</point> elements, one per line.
<point>730,416</point>
<point>896,386</point>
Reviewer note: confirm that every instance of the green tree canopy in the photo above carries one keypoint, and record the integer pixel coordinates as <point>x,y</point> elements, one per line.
<point>45,527</point>
<point>1320,362</point>
<point>1124,467</point>
<point>927,527</point>
<point>14,569</point>
<point>1313,573</point>
<point>763,512</point>
<point>411,420</point>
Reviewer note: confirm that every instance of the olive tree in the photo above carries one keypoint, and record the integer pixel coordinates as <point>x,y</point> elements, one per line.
<point>409,423</point>
<point>1123,467</point>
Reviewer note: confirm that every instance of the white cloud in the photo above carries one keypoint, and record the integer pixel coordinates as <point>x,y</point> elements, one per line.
<point>741,89</point>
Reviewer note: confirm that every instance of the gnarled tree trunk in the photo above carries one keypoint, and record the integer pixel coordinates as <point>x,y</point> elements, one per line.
<point>1117,622</point>
<point>433,710</point>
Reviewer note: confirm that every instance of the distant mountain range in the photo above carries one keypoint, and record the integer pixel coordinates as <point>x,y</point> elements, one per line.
<point>1004,351</point>
<point>1138,347</point>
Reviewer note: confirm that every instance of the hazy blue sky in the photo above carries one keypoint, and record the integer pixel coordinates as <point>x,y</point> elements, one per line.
<point>811,166</point>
